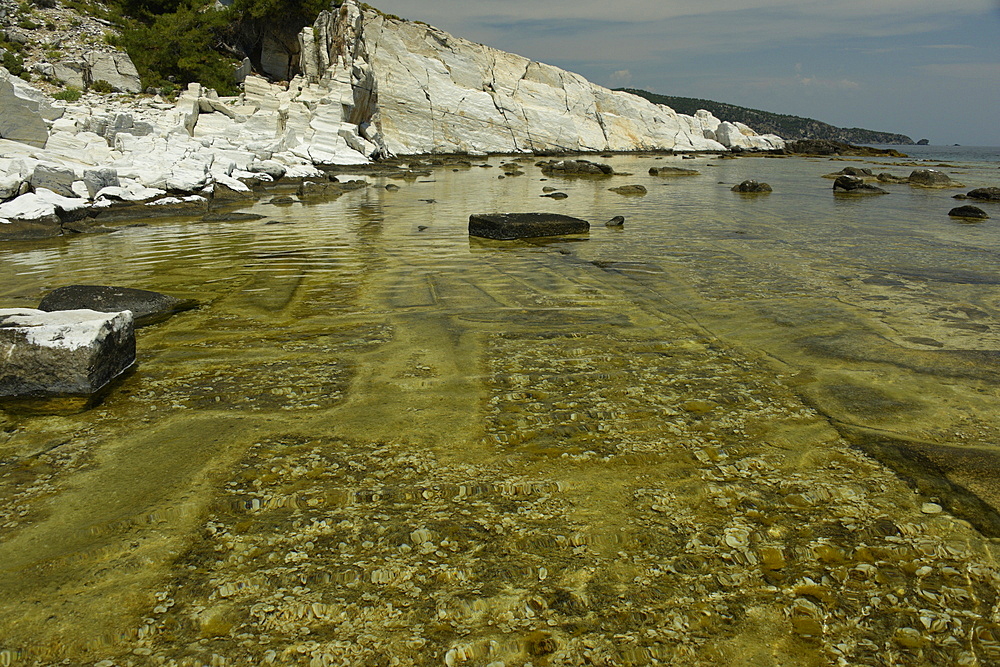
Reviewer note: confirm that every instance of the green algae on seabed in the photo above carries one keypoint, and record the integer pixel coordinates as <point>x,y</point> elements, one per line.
<point>378,444</point>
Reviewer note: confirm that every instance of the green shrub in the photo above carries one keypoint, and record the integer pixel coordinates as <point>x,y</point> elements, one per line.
<point>102,86</point>
<point>27,24</point>
<point>180,47</point>
<point>14,63</point>
<point>71,94</point>
<point>169,90</point>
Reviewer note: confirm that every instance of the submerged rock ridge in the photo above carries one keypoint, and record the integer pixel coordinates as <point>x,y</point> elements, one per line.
<point>412,88</point>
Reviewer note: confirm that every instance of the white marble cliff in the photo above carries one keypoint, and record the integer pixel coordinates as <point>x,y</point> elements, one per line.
<point>369,86</point>
<point>416,89</point>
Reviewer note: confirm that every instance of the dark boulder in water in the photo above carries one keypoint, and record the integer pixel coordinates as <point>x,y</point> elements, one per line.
<point>617,221</point>
<point>672,171</point>
<point>969,212</point>
<point>574,168</point>
<point>856,171</point>
<point>886,177</point>
<point>629,189</point>
<point>752,187</point>
<point>931,178</point>
<point>147,307</point>
<point>508,226</point>
<point>985,194</point>
<point>856,185</point>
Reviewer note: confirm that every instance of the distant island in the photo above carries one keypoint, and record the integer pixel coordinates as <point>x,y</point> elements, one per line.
<point>765,122</point>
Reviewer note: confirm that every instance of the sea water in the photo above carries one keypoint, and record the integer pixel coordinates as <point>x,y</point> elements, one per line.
<point>737,430</point>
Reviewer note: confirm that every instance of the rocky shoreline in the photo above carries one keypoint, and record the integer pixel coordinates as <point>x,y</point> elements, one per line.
<point>353,102</point>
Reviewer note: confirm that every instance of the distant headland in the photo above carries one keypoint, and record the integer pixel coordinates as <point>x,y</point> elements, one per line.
<point>785,126</point>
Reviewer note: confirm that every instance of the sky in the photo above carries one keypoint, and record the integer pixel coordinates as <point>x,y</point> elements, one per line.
<point>924,68</point>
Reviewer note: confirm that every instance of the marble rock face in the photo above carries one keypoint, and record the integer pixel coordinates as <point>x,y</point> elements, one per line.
<point>422,90</point>
<point>64,353</point>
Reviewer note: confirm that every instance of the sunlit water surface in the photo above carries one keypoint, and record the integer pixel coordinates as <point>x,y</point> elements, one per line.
<point>723,434</point>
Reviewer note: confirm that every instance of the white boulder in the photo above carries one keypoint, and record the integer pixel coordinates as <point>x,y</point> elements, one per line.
<point>115,67</point>
<point>23,111</point>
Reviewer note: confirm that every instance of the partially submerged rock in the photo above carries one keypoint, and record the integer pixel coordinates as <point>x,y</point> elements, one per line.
<point>575,168</point>
<point>629,189</point>
<point>330,188</point>
<point>672,171</point>
<point>931,178</point>
<point>147,307</point>
<point>985,194</point>
<point>508,226</point>
<point>65,353</point>
<point>861,172</point>
<point>235,216</point>
<point>751,187</point>
<point>856,185</point>
<point>969,212</point>
<point>830,147</point>
<point>617,221</point>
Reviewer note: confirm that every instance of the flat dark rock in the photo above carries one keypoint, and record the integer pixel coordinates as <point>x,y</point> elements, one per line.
<point>147,307</point>
<point>507,226</point>
<point>231,217</point>
<point>672,171</point>
<point>969,212</point>
<point>629,189</point>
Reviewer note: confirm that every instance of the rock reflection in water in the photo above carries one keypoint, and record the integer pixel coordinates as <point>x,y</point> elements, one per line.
<point>667,445</point>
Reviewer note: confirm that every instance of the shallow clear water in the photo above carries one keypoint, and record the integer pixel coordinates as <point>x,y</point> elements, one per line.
<point>719,435</point>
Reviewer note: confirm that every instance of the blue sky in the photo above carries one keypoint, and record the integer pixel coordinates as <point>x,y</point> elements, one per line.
<point>924,68</point>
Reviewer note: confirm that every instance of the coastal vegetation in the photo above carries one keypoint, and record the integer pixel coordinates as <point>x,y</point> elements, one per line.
<point>784,125</point>
<point>175,42</point>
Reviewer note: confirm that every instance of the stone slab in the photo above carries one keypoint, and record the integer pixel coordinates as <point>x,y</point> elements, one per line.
<point>508,226</point>
<point>147,307</point>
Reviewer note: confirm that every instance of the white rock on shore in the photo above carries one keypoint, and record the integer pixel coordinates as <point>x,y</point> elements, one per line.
<point>370,86</point>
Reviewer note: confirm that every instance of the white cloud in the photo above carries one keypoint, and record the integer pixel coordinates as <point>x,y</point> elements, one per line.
<point>622,77</point>
<point>978,71</point>
<point>837,84</point>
